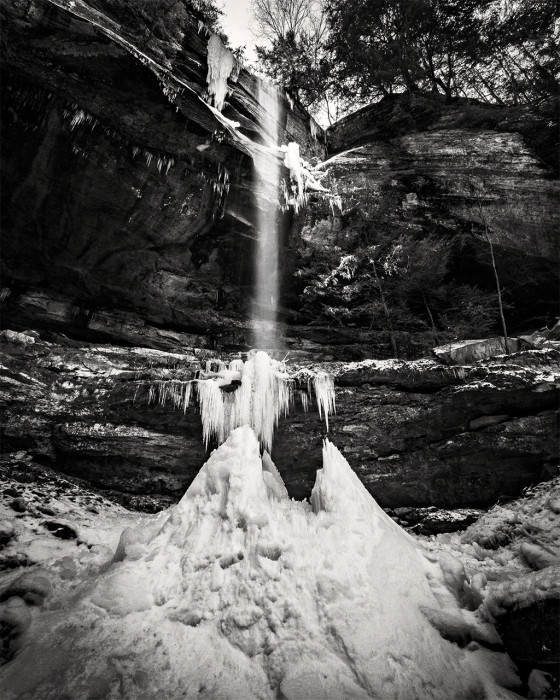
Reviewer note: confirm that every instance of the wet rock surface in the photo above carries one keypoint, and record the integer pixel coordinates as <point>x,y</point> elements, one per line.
<point>403,160</point>
<point>139,203</point>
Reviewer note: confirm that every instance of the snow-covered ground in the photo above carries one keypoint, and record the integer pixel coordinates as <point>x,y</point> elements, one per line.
<point>239,592</point>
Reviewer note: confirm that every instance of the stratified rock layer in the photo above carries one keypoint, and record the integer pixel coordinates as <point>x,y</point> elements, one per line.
<point>129,203</point>
<point>417,433</point>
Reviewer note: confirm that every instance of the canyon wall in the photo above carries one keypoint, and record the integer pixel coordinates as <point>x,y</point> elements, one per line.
<point>130,201</point>
<point>417,433</point>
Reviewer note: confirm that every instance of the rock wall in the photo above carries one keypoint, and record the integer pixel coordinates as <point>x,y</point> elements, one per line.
<point>130,202</point>
<point>417,162</point>
<point>458,172</point>
<point>414,166</point>
<point>417,433</point>
<point>123,190</point>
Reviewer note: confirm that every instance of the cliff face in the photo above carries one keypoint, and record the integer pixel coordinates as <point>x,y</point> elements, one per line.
<point>417,433</point>
<point>417,160</point>
<point>128,217</point>
<point>464,173</point>
<point>124,192</point>
<point>130,203</point>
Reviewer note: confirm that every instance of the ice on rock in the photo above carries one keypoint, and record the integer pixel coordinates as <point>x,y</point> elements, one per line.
<point>239,592</point>
<point>212,410</point>
<point>221,64</point>
<point>323,383</point>
<point>260,400</point>
<point>272,478</point>
<point>292,161</point>
<point>263,396</point>
<point>255,393</point>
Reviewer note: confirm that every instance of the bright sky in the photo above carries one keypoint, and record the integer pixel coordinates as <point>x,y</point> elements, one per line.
<point>236,21</point>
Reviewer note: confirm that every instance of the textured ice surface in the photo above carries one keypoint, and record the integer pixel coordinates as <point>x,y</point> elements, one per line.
<point>239,592</point>
<point>262,397</point>
<point>265,393</point>
<point>221,64</point>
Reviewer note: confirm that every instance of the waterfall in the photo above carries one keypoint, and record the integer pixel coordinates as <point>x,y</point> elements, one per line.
<point>264,315</point>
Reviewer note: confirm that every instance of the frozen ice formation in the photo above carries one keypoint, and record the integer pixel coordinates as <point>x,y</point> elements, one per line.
<point>304,178</point>
<point>221,65</point>
<point>240,593</point>
<point>264,393</point>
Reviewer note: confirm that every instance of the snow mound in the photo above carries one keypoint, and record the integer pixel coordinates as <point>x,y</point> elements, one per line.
<point>239,592</point>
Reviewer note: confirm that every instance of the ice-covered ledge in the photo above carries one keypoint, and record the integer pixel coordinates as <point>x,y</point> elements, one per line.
<point>418,433</point>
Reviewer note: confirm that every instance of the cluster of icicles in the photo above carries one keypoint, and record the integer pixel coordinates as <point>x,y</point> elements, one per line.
<point>255,393</point>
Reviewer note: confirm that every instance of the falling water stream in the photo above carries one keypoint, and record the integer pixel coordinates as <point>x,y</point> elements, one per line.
<point>264,314</point>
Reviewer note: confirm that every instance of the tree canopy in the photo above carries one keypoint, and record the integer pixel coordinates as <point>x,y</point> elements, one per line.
<point>360,50</point>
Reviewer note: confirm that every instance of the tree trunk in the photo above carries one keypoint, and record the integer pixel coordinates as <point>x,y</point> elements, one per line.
<point>490,88</point>
<point>496,276</point>
<point>498,289</point>
<point>386,311</point>
<point>436,336</point>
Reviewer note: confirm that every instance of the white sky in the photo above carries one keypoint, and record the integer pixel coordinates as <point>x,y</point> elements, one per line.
<point>236,20</point>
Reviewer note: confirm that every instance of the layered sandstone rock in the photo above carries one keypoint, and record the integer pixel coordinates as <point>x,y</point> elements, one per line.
<point>417,433</point>
<point>124,191</point>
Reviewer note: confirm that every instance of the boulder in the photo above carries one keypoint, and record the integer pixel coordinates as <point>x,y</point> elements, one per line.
<point>468,352</point>
<point>530,634</point>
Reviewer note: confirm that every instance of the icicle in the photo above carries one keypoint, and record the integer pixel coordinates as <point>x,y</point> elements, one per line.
<point>211,410</point>
<point>236,365</point>
<point>187,396</point>
<point>77,119</point>
<point>313,128</point>
<point>323,384</point>
<point>221,64</point>
<point>255,393</point>
<point>294,164</point>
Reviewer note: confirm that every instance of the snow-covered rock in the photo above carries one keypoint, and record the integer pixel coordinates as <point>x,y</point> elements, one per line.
<point>466,352</point>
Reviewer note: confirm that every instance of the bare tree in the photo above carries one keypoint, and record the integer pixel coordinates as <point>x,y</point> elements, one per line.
<point>487,237</point>
<point>278,19</point>
<point>294,34</point>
